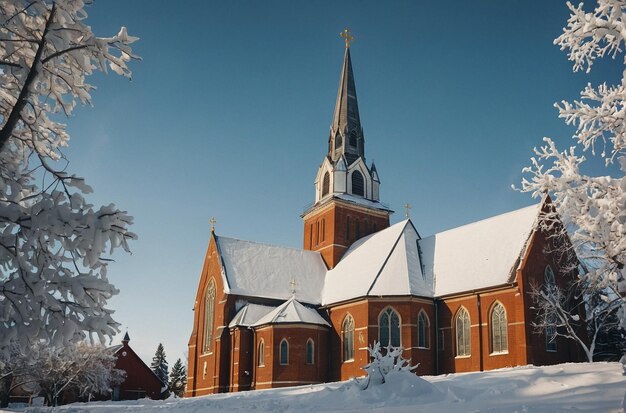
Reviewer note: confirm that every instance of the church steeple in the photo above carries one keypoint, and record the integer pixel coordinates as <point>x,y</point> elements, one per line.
<point>347,205</point>
<point>346,133</point>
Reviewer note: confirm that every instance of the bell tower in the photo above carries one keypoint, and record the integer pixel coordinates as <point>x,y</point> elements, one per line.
<point>347,205</point>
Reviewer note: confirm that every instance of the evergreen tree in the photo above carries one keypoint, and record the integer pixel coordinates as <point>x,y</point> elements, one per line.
<point>159,365</point>
<point>178,379</point>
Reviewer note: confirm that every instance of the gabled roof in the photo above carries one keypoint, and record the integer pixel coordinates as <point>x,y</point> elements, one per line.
<point>384,263</point>
<point>291,311</point>
<point>250,314</point>
<point>268,271</point>
<point>478,255</point>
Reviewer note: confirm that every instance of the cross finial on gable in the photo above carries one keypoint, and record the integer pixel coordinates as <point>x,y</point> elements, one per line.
<point>212,221</point>
<point>292,284</point>
<point>407,207</point>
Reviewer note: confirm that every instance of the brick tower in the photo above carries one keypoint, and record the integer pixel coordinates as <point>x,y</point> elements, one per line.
<point>347,205</point>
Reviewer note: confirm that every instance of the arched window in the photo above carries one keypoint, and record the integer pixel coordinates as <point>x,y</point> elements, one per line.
<point>463,333</point>
<point>423,339</point>
<point>389,328</point>
<point>326,184</point>
<point>338,141</point>
<point>358,185</point>
<point>347,335</point>
<point>261,354</point>
<point>548,275</point>
<point>310,350</point>
<point>499,339</point>
<point>353,138</point>
<point>209,310</point>
<point>284,352</point>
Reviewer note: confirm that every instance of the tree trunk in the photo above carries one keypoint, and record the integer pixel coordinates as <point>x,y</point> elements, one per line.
<point>22,99</point>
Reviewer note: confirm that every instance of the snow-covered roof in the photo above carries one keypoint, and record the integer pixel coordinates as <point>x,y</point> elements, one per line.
<point>291,311</point>
<point>384,263</point>
<point>262,270</point>
<point>250,314</point>
<point>361,201</point>
<point>478,255</point>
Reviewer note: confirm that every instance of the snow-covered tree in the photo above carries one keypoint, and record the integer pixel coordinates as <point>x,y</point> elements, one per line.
<point>54,245</point>
<point>178,379</point>
<point>592,209</point>
<point>86,369</point>
<point>159,365</point>
<point>383,362</point>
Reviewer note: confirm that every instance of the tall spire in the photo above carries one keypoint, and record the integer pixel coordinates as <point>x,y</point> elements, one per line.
<point>346,133</point>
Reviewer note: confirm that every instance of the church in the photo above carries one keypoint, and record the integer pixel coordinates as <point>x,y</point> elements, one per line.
<point>457,301</point>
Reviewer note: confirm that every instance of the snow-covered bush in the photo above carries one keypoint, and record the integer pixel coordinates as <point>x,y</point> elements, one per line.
<point>54,245</point>
<point>50,371</point>
<point>385,361</point>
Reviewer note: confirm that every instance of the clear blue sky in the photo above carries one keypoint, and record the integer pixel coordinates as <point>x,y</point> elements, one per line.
<point>228,116</point>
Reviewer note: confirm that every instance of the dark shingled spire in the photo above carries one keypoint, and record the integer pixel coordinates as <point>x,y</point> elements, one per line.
<point>126,338</point>
<point>346,133</point>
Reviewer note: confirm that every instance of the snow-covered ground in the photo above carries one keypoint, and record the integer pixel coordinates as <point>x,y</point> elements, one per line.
<point>582,387</point>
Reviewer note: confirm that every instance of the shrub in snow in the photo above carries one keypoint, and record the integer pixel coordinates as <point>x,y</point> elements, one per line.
<point>384,362</point>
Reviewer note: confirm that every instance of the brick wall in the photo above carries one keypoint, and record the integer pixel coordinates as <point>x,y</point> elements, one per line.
<point>332,228</point>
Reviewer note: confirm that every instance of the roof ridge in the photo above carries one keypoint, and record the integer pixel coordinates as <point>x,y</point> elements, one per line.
<point>268,244</point>
<point>393,248</point>
<point>538,205</point>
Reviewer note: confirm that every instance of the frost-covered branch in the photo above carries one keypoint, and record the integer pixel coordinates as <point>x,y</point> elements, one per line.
<point>54,246</point>
<point>592,209</point>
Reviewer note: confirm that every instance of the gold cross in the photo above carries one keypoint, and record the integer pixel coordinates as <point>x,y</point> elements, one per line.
<point>293,286</point>
<point>407,207</point>
<point>348,36</point>
<point>212,221</point>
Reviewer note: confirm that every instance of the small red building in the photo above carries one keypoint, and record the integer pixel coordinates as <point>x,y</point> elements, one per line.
<point>140,380</point>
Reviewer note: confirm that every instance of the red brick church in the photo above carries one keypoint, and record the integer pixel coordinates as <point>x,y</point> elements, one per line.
<point>268,316</point>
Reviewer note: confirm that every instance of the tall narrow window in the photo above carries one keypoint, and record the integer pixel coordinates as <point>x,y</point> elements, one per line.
<point>209,310</point>
<point>422,330</point>
<point>326,184</point>
<point>261,354</point>
<point>310,351</point>
<point>347,228</point>
<point>347,336</point>
<point>323,229</point>
<point>358,186</point>
<point>549,277</point>
<point>353,138</point>
<point>463,333</point>
<point>389,328</point>
<point>550,338</point>
<point>284,352</point>
<point>338,141</point>
<point>551,318</point>
<point>499,339</point>
<point>357,229</point>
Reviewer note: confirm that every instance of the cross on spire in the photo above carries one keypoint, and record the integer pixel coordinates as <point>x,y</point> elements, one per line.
<point>212,221</point>
<point>407,207</point>
<point>349,38</point>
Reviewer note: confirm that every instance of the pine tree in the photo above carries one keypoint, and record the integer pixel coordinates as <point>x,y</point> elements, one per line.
<point>159,365</point>
<point>178,379</point>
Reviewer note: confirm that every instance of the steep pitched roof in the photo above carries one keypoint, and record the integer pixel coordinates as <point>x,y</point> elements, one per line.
<point>478,255</point>
<point>250,314</point>
<point>262,270</point>
<point>291,311</point>
<point>384,263</point>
